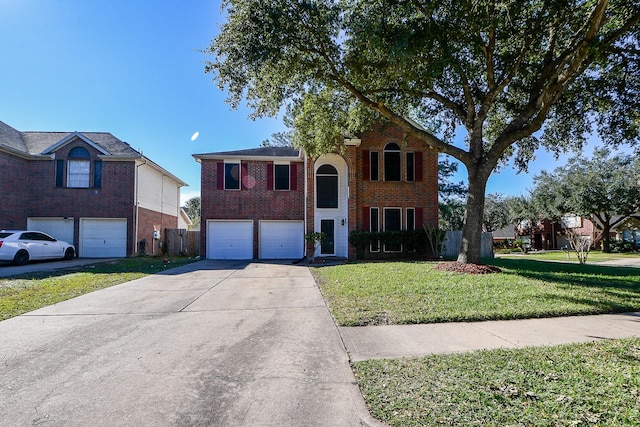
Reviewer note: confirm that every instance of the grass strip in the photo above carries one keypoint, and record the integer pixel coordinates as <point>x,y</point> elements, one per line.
<point>578,384</point>
<point>414,292</point>
<point>28,292</point>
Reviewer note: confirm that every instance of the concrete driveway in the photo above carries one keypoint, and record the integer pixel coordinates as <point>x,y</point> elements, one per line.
<point>210,343</point>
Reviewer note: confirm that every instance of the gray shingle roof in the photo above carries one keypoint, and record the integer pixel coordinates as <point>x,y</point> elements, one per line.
<point>257,152</point>
<point>10,138</point>
<point>35,143</point>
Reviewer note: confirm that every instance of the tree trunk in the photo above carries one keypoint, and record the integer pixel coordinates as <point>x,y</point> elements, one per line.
<point>472,228</point>
<point>606,237</point>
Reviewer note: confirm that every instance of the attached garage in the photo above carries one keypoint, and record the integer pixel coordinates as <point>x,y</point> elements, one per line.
<point>281,239</point>
<point>103,238</point>
<point>60,228</point>
<point>229,239</point>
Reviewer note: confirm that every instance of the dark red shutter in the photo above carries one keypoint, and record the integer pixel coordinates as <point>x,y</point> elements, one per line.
<point>419,218</point>
<point>269,176</point>
<point>366,166</point>
<point>293,175</point>
<point>220,175</point>
<point>366,218</point>
<point>418,167</point>
<point>244,175</point>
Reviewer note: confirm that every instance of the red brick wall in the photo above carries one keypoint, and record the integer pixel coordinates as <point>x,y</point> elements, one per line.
<point>14,184</point>
<point>148,221</point>
<point>255,203</point>
<point>383,194</point>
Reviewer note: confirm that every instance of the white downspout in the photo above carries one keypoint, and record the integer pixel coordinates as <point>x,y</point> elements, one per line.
<point>137,203</point>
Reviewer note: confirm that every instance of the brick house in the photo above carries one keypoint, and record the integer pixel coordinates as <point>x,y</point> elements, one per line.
<point>88,188</point>
<point>259,203</point>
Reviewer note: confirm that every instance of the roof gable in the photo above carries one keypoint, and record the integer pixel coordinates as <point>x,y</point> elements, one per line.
<point>71,137</point>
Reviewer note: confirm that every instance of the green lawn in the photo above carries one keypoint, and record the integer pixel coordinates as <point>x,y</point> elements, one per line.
<point>28,292</point>
<point>414,292</point>
<point>571,385</point>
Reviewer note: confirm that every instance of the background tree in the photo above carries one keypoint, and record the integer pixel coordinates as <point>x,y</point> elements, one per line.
<point>605,189</point>
<point>450,196</point>
<point>501,69</point>
<point>192,208</point>
<point>496,212</point>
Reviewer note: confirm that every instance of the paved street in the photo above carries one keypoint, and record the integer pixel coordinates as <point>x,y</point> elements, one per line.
<point>210,343</point>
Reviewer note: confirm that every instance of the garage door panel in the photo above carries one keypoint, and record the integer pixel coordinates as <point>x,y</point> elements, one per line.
<point>229,239</point>
<point>59,228</point>
<point>103,238</point>
<point>281,239</point>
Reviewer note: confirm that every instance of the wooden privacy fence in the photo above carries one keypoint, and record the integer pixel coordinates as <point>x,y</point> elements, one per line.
<point>179,241</point>
<point>453,241</point>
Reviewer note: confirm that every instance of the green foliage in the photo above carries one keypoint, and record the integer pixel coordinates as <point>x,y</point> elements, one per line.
<point>502,71</point>
<point>604,189</point>
<point>192,208</point>
<point>408,243</point>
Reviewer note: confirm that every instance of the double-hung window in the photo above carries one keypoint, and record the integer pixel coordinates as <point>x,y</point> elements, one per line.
<point>281,173</point>
<point>232,178</point>
<point>392,160</point>
<point>78,168</point>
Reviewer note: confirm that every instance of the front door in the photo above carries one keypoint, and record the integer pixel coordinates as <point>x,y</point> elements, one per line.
<point>327,247</point>
<point>331,205</point>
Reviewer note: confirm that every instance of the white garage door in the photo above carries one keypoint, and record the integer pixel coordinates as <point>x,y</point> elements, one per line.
<point>229,239</point>
<point>281,239</point>
<point>103,238</point>
<point>60,228</point>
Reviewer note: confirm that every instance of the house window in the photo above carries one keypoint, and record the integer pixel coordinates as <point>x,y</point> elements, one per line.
<point>410,168</point>
<point>374,159</point>
<point>281,174</point>
<point>374,221</point>
<point>232,176</point>
<point>392,222</point>
<point>78,168</point>
<point>327,187</point>
<point>392,162</point>
<point>411,219</point>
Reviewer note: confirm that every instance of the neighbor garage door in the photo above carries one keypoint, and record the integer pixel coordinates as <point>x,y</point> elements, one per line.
<point>103,238</point>
<point>60,228</point>
<point>229,239</point>
<point>281,239</point>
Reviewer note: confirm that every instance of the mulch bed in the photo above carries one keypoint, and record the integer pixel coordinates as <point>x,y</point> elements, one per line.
<point>467,268</point>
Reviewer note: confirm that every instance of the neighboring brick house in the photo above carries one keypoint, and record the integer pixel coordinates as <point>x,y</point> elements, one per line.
<point>259,203</point>
<point>88,188</point>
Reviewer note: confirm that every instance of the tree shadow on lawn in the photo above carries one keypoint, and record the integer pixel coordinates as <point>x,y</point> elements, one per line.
<point>614,281</point>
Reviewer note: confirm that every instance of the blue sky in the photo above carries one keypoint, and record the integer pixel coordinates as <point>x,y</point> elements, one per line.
<point>134,68</point>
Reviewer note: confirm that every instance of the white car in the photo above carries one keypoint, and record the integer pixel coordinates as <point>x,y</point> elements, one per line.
<point>20,247</point>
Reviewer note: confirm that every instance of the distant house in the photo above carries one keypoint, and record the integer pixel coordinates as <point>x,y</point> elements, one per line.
<point>260,203</point>
<point>89,188</point>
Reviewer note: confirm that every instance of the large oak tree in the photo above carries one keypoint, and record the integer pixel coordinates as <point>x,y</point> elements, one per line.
<point>604,188</point>
<point>515,74</point>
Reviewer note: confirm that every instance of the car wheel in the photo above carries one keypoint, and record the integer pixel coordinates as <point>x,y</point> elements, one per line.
<point>68,254</point>
<point>21,258</point>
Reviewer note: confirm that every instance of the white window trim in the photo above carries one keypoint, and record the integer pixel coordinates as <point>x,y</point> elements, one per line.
<point>85,174</point>
<point>282,163</point>
<point>384,162</point>
<point>232,162</point>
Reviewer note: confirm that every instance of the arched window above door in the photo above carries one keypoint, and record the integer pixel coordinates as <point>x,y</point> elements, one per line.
<point>327,187</point>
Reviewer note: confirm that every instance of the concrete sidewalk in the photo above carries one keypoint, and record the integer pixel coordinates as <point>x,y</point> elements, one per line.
<point>209,343</point>
<point>376,342</point>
